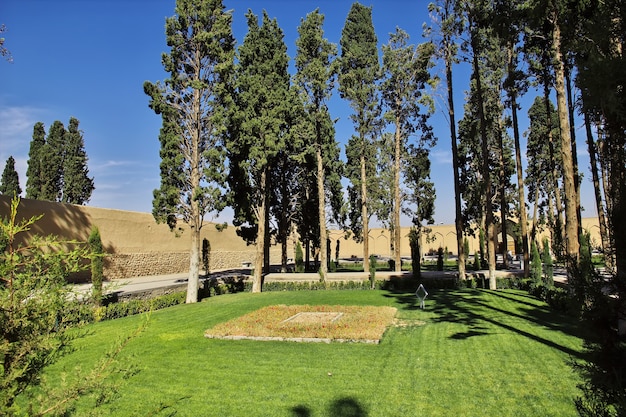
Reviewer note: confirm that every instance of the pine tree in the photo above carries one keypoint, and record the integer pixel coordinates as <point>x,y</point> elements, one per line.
<point>357,75</point>
<point>97,264</point>
<point>77,186</point>
<point>10,182</point>
<point>193,104</point>
<point>34,172</point>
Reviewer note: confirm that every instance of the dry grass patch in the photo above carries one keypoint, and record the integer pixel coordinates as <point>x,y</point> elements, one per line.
<point>305,323</point>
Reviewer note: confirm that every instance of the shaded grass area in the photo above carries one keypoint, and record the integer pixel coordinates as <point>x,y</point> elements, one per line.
<point>473,353</point>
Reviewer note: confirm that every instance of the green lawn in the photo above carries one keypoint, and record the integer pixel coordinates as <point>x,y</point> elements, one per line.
<point>479,353</point>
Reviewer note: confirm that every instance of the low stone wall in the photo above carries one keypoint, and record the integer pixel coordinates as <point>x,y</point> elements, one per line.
<point>125,265</point>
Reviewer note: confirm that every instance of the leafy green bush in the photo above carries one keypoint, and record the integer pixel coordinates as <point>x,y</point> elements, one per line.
<point>299,258</point>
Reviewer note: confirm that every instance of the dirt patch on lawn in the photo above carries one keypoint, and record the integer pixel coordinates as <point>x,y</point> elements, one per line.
<point>304,323</point>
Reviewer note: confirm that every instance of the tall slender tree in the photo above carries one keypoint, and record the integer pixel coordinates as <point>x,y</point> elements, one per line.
<point>263,103</point>
<point>10,182</point>
<point>446,16</point>
<point>34,174</point>
<point>192,103</point>
<point>52,156</point>
<point>77,186</point>
<point>408,107</point>
<point>358,72</point>
<point>315,80</point>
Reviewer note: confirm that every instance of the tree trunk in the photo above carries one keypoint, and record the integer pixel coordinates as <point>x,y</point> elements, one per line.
<point>322,214</point>
<point>397,199</point>
<point>523,217</point>
<point>257,279</point>
<point>503,205</point>
<point>364,215</point>
<point>571,215</point>
<point>458,221</point>
<point>604,234</point>
<point>194,266</point>
<point>489,229</point>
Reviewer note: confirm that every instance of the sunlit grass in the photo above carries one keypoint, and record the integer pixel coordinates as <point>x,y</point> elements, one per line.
<point>468,353</point>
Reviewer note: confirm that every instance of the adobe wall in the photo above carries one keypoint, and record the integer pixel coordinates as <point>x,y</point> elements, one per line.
<point>136,245</point>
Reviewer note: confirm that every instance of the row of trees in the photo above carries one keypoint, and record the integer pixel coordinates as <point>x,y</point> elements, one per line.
<point>238,129</point>
<point>564,50</point>
<point>57,166</point>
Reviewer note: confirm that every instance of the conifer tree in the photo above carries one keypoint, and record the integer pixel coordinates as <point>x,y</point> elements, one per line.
<point>34,173</point>
<point>314,80</point>
<point>358,72</point>
<point>263,105</point>
<point>77,186</point>
<point>10,182</point>
<point>52,156</point>
<point>192,103</point>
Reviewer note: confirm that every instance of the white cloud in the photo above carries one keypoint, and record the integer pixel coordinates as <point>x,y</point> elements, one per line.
<point>17,129</point>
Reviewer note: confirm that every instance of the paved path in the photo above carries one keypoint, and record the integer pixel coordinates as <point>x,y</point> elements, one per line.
<point>148,283</point>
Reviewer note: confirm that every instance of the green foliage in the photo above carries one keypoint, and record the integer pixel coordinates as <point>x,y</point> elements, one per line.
<point>535,265</point>
<point>97,264</point>
<point>33,301</point>
<point>10,182</point>
<point>206,256</point>
<point>548,267</point>
<point>440,259</point>
<point>77,186</point>
<point>299,258</point>
<point>373,264</point>
<point>414,242</point>
<point>34,172</point>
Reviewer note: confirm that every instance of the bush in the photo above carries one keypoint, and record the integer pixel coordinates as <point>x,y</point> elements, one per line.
<point>299,258</point>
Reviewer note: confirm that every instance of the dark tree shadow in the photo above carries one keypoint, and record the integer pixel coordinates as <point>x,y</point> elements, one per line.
<point>301,411</point>
<point>346,407</point>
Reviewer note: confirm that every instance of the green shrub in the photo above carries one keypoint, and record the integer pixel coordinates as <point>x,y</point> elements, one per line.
<point>299,258</point>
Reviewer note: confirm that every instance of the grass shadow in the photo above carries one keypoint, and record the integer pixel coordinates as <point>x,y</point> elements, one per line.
<point>471,308</point>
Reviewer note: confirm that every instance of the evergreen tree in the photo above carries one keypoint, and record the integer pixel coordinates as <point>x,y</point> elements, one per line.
<point>535,264</point>
<point>52,157</point>
<point>263,104</point>
<point>97,264</point>
<point>548,267</point>
<point>315,80</point>
<point>408,107</point>
<point>358,73</point>
<point>446,15</point>
<point>77,186</point>
<point>192,103</point>
<point>34,172</point>
<point>10,182</point>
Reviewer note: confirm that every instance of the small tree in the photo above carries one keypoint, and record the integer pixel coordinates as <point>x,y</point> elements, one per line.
<point>10,182</point>
<point>440,259</point>
<point>97,265</point>
<point>299,258</point>
<point>415,253</point>
<point>535,264</point>
<point>548,268</point>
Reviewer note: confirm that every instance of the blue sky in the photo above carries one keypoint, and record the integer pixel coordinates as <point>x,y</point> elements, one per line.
<point>89,60</point>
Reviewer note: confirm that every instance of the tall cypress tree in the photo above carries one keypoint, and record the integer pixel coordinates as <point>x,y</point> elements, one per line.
<point>358,73</point>
<point>263,105</point>
<point>10,182</point>
<point>77,186</point>
<point>34,173</point>
<point>52,156</point>
<point>315,80</point>
<point>192,103</point>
